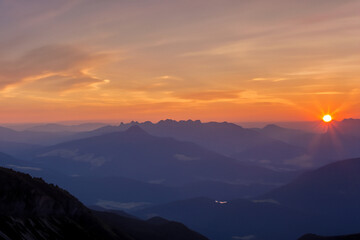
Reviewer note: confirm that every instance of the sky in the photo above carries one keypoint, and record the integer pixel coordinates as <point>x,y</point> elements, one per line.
<point>214,60</point>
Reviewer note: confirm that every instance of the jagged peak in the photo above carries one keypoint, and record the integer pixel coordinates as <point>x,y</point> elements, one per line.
<point>171,121</point>
<point>136,129</point>
<point>272,126</point>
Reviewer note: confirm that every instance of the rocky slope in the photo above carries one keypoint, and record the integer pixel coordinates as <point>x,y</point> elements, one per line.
<point>33,209</point>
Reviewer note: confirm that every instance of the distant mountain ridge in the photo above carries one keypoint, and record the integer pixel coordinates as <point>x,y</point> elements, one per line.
<point>350,126</point>
<point>272,146</point>
<point>340,141</point>
<point>322,201</point>
<point>55,127</point>
<point>136,154</point>
<point>225,138</point>
<point>32,137</point>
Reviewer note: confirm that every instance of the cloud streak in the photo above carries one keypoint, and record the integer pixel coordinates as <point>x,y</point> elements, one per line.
<point>179,58</point>
<point>62,66</point>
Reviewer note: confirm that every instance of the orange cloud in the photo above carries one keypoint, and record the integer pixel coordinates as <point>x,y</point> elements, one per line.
<point>176,59</point>
<point>58,67</point>
<point>208,95</point>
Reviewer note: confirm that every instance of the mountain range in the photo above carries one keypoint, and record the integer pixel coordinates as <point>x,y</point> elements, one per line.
<point>225,138</point>
<point>272,146</point>
<point>55,127</point>
<point>138,155</point>
<point>220,179</point>
<point>323,201</point>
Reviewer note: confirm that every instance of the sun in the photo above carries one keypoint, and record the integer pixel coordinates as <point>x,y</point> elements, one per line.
<point>327,118</point>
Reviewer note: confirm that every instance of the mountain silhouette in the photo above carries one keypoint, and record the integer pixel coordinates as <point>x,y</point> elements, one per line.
<point>54,127</point>
<point>32,137</point>
<point>155,228</point>
<point>325,200</point>
<point>272,146</point>
<point>225,138</point>
<point>317,237</point>
<point>33,209</point>
<point>322,190</point>
<point>136,154</point>
<point>292,136</point>
<point>44,211</point>
<point>314,150</point>
<point>349,127</point>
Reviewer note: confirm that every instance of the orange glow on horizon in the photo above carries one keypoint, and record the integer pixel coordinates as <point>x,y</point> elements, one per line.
<point>65,72</point>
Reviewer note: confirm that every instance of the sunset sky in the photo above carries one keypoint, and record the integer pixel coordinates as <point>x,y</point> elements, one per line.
<point>228,60</point>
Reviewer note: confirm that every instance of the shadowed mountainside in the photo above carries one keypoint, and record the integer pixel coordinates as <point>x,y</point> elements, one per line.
<point>136,154</point>
<point>225,138</point>
<point>109,189</point>
<point>54,127</point>
<point>234,219</point>
<point>32,137</point>
<point>33,209</point>
<point>316,237</point>
<point>271,146</point>
<point>324,201</point>
<point>155,228</point>
<point>44,211</point>
<point>333,190</point>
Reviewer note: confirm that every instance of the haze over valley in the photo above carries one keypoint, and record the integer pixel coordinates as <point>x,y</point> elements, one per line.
<point>180,119</point>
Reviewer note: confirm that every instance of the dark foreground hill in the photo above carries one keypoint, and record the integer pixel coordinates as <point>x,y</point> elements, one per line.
<point>316,237</point>
<point>33,209</point>
<point>155,228</point>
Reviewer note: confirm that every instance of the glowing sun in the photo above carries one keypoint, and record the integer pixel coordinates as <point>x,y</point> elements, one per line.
<point>327,118</point>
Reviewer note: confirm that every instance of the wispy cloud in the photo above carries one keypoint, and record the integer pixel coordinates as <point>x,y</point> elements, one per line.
<point>209,95</point>
<point>57,67</point>
<point>247,237</point>
<point>24,167</point>
<point>178,57</point>
<point>120,205</point>
<point>270,79</point>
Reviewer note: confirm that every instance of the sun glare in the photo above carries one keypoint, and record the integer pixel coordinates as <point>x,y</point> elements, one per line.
<point>327,118</point>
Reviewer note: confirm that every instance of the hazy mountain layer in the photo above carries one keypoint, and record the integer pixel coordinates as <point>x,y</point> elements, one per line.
<point>324,201</point>
<point>138,155</point>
